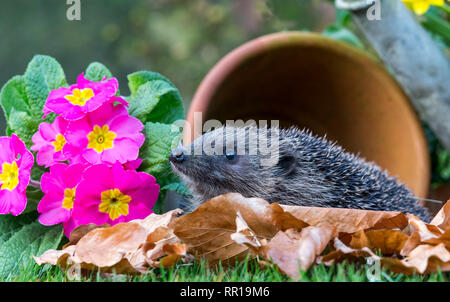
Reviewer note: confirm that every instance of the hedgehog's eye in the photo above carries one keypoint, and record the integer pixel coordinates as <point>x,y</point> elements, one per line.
<point>230,155</point>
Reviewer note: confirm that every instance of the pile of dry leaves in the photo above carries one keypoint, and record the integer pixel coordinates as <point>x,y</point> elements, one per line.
<point>229,227</point>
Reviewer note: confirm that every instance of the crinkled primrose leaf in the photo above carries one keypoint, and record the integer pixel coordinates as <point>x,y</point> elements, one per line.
<point>21,237</point>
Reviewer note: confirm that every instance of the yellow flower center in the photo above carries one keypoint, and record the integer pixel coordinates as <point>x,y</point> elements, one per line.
<point>9,176</point>
<point>420,7</point>
<point>69,197</point>
<point>101,138</point>
<point>80,97</point>
<point>114,203</point>
<point>59,142</point>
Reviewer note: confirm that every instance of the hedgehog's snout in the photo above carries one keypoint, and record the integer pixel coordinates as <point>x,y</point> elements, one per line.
<point>177,155</point>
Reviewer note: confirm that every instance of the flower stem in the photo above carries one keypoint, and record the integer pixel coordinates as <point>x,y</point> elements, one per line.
<point>35,183</point>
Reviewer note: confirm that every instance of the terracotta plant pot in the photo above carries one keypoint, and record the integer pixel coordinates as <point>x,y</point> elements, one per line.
<point>327,86</point>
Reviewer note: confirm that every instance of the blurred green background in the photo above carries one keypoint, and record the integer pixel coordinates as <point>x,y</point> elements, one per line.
<point>178,38</point>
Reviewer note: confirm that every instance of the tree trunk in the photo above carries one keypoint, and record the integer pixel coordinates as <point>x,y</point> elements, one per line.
<point>418,63</point>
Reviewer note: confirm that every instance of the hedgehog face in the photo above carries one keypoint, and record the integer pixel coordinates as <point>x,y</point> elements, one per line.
<point>219,162</point>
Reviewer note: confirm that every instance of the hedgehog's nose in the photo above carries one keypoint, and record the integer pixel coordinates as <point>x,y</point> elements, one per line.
<point>177,155</point>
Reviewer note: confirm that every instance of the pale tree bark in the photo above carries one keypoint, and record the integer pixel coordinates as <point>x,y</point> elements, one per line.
<point>418,63</point>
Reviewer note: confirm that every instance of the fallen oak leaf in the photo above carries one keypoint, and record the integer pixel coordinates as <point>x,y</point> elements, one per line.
<point>386,242</point>
<point>426,231</point>
<point>427,258</point>
<point>163,243</point>
<point>116,249</point>
<point>423,259</point>
<point>244,235</point>
<point>411,243</point>
<point>292,250</point>
<point>442,218</point>
<point>82,230</point>
<point>206,231</point>
<point>284,220</point>
<point>56,257</point>
<point>344,252</point>
<point>154,221</point>
<point>348,220</point>
<point>111,248</point>
<point>444,239</point>
<point>209,231</point>
<point>289,249</point>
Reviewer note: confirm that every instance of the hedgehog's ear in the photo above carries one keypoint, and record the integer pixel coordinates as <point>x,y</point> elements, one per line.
<point>286,163</point>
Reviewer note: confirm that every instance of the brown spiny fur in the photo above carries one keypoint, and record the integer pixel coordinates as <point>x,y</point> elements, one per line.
<point>311,171</point>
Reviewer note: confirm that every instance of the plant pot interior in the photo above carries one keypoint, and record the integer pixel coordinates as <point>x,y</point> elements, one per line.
<point>308,81</point>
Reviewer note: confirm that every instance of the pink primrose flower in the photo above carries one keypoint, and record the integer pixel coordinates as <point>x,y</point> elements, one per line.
<point>15,164</point>
<point>113,195</point>
<point>49,141</point>
<point>133,164</point>
<point>59,187</point>
<point>105,135</point>
<point>86,96</point>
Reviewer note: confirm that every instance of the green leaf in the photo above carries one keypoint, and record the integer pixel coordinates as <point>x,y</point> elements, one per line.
<point>34,196</point>
<point>136,79</point>
<point>343,17</point>
<point>159,204</point>
<point>435,23</point>
<point>343,34</point>
<point>97,71</point>
<point>178,187</point>
<point>156,101</point>
<point>43,74</point>
<point>10,224</point>
<point>13,95</point>
<point>160,139</point>
<point>30,239</point>
<point>23,125</point>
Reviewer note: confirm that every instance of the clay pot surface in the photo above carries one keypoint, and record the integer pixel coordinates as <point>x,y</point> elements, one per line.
<point>331,88</point>
<point>441,193</point>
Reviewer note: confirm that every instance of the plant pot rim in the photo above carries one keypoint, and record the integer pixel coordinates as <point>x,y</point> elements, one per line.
<point>224,67</point>
<point>260,45</point>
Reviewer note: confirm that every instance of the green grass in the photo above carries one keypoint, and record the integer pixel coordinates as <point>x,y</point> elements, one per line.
<point>245,271</point>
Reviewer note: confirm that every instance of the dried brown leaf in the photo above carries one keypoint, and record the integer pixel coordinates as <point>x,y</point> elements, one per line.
<point>231,226</point>
<point>82,230</point>
<point>207,230</point>
<point>411,243</point>
<point>444,239</point>
<point>423,259</point>
<point>442,218</point>
<point>425,230</point>
<point>348,220</point>
<point>343,252</point>
<point>387,242</point>
<point>292,250</point>
<point>244,235</point>
<point>283,219</point>
<point>107,247</point>
<point>118,249</point>
<point>163,243</point>
<point>426,258</point>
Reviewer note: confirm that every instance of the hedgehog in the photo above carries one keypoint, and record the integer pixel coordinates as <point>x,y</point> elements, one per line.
<point>308,171</point>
